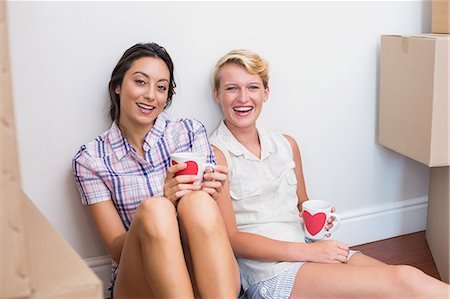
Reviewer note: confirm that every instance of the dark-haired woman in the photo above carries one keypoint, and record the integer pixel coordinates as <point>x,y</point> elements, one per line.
<point>165,236</point>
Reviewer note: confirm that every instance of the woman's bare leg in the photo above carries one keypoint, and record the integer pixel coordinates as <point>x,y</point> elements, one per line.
<point>214,265</point>
<point>152,264</point>
<point>315,280</point>
<point>188,258</point>
<point>360,259</point>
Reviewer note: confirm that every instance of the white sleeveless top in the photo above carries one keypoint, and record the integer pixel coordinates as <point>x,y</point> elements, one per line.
<point>263,193</point>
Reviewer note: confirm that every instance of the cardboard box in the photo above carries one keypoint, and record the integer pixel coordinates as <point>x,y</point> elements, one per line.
<point>36,262</point>
<point>414,97</point>
<point>56,270</point>
<point>438,221</point>
<point>14,274</point>
<point>52,268</point>
<point>440,16</point>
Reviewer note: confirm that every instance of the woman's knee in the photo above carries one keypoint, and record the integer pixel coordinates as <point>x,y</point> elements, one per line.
<point>155,216</point>
<point>198,210</point>
<point>407,276</point>
<point>195,203</point>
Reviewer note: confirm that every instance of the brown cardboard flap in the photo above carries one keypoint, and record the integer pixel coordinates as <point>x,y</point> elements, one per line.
<point>14,274</point>
<point>441,106</point>
<point>84,293</point>
<point>56,269</point>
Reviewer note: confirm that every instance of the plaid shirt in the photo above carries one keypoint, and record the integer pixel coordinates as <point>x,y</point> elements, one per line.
<point>109,168</point>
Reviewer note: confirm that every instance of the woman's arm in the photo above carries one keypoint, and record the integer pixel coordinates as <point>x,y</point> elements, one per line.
<point>256,247</point>
<point>253,246</point>
<point>97,196</point>
<point>301,188</point>
<point>212,181</point>
<point>109,226</point>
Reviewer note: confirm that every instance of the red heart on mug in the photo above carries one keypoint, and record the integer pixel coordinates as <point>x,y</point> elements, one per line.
<point>192,168</point>
<point>314,223</point>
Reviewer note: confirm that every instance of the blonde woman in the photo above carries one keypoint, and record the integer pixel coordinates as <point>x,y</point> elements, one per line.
<point>260,201</point>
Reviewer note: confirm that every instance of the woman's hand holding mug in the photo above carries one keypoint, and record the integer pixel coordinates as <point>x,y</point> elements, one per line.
<point>319,219</point>
<point>213,180</point>
<point>176,186</point>
<point>189,171</point>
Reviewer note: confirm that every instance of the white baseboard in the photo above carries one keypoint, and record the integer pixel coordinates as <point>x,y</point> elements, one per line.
<point>358,227</point>
<point>383,221</point>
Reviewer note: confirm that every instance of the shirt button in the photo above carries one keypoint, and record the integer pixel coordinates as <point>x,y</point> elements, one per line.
<point>263,291</point>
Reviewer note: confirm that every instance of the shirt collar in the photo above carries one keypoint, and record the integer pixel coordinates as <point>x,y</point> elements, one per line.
<point>120,144</point>
<point>156,131</point>
<point>237,149</point>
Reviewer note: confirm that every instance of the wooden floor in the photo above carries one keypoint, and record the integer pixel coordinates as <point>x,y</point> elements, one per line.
<point>411,249</point>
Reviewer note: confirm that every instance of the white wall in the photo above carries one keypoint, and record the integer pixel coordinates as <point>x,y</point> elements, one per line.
<point>324,92</point>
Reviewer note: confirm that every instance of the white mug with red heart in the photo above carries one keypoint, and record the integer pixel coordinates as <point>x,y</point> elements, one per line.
<point>196,164</point>
<point>315,216</point>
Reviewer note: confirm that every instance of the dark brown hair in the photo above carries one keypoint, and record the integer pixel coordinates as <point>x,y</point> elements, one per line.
<point>135,52</point>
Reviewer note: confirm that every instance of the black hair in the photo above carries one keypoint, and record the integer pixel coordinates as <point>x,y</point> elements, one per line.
<point>132,54</point>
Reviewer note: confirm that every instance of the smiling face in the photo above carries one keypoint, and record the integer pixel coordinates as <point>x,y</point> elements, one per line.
<point>241,96</point>
<point>143,93</point>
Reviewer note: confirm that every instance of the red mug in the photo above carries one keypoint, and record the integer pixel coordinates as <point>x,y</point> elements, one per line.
<point>196,164</point>
<point>315,218</point>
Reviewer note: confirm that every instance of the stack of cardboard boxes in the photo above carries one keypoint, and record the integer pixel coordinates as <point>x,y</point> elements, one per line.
<point>35,261</point>
<point>414,116</point>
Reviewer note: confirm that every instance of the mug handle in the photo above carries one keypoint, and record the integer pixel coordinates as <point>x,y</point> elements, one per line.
<point>336,222</point>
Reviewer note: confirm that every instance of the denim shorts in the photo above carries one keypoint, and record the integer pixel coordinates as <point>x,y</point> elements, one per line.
<point>279,287</point>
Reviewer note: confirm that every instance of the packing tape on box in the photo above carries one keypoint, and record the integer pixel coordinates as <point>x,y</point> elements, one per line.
<point>405,44</point>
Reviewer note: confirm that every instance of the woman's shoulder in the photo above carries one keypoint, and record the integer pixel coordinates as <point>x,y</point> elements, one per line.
<point>278,136</point>
<point>214,136</point>
<point>281,141</point>
<point>286,143</point>
<point>98,148</point>
<point>221,137</point>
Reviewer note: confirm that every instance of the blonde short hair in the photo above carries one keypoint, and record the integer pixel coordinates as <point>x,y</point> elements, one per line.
<point>252,62</point>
